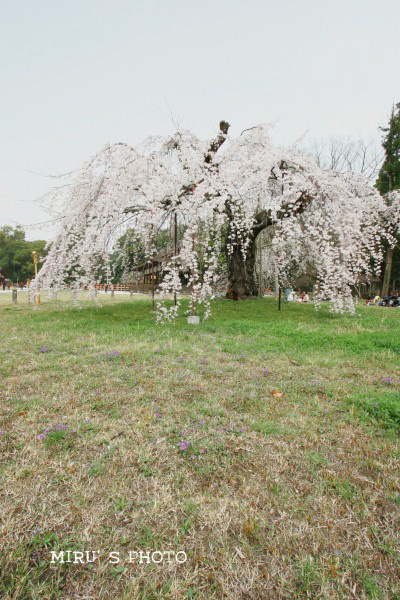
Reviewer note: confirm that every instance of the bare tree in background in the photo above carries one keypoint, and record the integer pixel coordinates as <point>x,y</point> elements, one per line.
<point>344,154</point>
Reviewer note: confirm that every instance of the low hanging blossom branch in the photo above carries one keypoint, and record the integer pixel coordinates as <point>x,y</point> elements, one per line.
<point>225,191</point>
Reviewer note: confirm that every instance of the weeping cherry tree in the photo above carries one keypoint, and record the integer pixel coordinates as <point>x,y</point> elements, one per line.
<point>225,191</point>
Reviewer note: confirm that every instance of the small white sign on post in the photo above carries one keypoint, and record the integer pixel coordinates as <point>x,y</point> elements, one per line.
<point>193,320</point>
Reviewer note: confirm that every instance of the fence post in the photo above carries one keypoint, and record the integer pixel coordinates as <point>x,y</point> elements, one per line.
<point>14,296</point>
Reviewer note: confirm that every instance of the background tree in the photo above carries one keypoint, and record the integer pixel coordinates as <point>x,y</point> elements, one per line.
<point>344,155</point>
<point>387,182</point>
<point>16,253</point>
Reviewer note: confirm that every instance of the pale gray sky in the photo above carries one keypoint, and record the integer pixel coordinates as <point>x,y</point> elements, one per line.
<point>77,74</point>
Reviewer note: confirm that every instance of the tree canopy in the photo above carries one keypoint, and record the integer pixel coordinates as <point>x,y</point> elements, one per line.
<point>233,185</point>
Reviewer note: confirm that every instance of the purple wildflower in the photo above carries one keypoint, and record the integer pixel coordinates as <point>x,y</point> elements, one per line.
<point>376,405</point>
<point>44,349</point>
<point>42,436</point>
<point>183,445</point>
<point>388,380</point>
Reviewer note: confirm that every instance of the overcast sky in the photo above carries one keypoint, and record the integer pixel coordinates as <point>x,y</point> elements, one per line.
<point>79,73</point>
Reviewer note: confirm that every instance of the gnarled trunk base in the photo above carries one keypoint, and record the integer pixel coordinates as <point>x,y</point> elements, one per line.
<point>241,279</point>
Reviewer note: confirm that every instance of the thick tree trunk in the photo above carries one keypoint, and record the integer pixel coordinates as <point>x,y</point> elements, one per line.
<point>241,280</point>
<point>388,272</point>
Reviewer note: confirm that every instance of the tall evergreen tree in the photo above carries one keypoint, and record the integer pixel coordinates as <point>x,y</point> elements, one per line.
<point>389,179</point>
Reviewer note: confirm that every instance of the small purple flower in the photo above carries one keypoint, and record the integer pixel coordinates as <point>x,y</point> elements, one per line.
<point>97,392</point>
<point>376,405</point>
<point>1,432</point>
<point>388,380</point>
<point>42,436</point>
<point>264,372</point>
<point>44,349</point>
<point>157,350</point>
<point>158,415</point>
<point>183,445</point>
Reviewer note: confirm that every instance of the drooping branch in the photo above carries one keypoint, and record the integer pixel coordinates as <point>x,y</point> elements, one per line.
<point>265,219</point>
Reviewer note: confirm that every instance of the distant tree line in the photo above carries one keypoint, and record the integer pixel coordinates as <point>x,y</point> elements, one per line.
<point>16,253</point>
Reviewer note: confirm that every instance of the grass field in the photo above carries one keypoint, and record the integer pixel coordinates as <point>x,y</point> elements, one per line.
<point>263,444</point>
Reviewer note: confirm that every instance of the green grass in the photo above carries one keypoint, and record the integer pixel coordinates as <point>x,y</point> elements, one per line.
<point>263,443</point>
